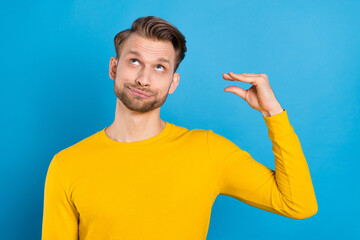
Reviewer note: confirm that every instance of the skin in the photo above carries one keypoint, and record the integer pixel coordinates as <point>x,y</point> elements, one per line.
<point>259,96</point>
<point>148,65</point>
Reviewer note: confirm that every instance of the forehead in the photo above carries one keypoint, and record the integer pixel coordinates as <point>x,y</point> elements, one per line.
<point>148,48</point>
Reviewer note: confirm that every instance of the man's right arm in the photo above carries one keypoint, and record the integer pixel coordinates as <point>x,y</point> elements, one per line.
<point>60,217</point>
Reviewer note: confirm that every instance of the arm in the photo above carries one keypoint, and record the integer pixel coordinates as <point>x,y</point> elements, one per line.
<point>287,191</point>
<point>60,218</point>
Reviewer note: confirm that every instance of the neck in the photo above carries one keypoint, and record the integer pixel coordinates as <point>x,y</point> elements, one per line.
<point>130,126</point>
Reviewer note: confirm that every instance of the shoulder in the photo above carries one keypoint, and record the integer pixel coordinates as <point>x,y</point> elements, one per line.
<point>205,136</point>
<point>78,150</point>
<point>189,133</point>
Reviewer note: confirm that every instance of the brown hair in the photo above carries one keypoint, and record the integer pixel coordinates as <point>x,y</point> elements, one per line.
<point>154,28</point>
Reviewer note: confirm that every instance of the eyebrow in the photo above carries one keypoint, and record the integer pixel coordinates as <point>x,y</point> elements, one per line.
<point>162,59</point>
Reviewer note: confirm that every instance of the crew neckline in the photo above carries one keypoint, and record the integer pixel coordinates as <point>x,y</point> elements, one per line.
<point>157,137</point>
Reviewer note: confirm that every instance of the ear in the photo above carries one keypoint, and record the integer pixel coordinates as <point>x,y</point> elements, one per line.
<point>112,68</point>
<point>174,83</point>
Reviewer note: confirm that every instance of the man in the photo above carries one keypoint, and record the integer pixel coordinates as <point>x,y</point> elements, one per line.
<point>145,178</point>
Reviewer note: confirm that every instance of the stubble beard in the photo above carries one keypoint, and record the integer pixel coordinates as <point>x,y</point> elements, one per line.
<point>138,104</point>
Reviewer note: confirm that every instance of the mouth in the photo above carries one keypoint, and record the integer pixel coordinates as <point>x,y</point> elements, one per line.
<point>139,93</point>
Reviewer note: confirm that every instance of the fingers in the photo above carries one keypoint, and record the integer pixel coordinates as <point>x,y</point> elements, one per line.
<point>227,77</point>
<point>236,90</point>
<point>252,78</point>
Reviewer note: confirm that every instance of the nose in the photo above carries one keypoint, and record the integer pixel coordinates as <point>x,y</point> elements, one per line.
<point>144,77</point>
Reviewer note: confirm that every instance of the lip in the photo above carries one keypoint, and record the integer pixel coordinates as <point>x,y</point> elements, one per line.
<point>139,93</point>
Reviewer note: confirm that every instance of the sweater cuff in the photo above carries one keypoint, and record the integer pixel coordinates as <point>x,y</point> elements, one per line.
<point>278,124</point>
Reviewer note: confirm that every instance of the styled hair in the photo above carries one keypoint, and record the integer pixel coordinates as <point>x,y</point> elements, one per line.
<point>157,29</point>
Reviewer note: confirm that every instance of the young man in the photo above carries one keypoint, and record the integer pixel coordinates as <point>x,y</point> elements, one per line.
<point>145,178</point>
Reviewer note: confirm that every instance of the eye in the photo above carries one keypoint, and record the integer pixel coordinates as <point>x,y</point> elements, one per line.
<point>134,61</point>
<point>160,68</point>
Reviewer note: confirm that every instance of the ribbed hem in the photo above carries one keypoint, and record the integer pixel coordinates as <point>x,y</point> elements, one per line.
<point>278,124</point>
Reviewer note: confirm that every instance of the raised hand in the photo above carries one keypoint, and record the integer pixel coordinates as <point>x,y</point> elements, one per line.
<point>260,96</point>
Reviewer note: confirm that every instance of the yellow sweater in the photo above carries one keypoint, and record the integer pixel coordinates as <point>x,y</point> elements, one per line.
<point>164,187</point>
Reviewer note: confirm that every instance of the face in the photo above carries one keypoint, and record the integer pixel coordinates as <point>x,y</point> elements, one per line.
<point>143,74</point>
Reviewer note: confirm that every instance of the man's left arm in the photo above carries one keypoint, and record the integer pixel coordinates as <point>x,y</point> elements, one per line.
<point>288,190</point>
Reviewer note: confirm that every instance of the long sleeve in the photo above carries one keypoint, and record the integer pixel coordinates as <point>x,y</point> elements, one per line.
<point>287,191</point>
<point>60,218</point>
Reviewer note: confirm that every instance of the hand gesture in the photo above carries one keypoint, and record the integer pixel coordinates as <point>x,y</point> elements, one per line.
<point>260,96</point>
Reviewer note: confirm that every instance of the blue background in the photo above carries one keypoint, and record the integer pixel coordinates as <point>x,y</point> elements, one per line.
<point>55,91</point>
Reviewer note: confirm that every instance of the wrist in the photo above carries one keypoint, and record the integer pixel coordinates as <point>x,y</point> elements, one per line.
<point>273,112</point>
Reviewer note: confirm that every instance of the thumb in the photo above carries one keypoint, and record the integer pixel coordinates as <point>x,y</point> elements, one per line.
<point>236,90</point>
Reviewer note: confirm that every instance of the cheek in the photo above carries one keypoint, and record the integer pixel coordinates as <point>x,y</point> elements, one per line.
<point>125,74</point>
<point>165,86</point>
